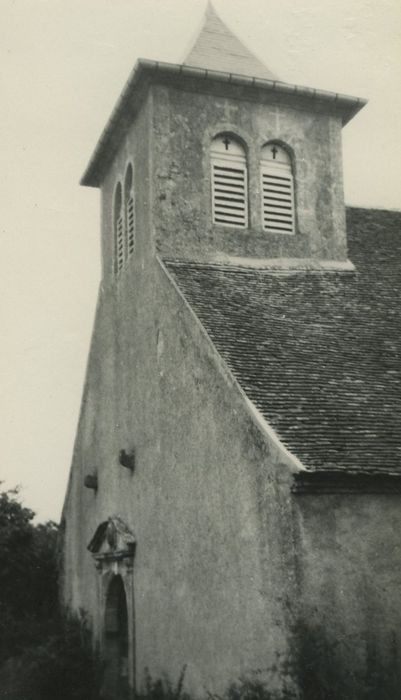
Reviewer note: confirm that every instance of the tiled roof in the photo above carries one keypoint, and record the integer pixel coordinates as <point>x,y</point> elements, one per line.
<point>217,48</point>
<point>318,353</point>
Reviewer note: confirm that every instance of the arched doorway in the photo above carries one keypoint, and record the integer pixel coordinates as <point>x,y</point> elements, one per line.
<point>115,647</point>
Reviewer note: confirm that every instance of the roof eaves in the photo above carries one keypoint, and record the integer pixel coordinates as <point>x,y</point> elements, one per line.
<point>93,174</point>
<point>348,481</point>
<point>91,178</point>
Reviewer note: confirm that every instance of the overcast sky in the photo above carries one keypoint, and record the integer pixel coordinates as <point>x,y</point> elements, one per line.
<point>63,65</point>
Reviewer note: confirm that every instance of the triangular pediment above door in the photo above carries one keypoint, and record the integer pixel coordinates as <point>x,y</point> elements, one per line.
<point>112,537</point>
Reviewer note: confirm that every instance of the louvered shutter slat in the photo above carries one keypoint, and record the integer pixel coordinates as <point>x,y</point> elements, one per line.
<point>273,213</point>
<point>233,215</point>
<point>228,193</point>
<point>281,191</point>
<point>277,199</point>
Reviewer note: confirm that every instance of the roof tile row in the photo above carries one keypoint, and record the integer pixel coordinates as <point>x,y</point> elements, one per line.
<point>318,353</point>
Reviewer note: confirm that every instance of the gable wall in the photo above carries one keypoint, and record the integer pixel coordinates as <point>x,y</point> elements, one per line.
<point>208,501</point>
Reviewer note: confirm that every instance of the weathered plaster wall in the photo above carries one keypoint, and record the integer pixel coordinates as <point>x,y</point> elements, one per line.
<point>349,554</point>
<point>136,149</point>
<point>208,502</point>
<point>185,121</point>
<point>216,585</point>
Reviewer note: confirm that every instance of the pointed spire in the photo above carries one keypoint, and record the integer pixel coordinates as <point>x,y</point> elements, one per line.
<point>217,48</point>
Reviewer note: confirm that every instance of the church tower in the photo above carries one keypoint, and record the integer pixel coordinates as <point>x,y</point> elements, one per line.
<point>208,412</point>
<point>218,160</point>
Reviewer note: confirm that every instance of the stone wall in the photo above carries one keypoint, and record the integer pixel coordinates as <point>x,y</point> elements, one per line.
<point>348,557</point>
<point>208,501</point>
<point>186,121</point>
<point>168,144</point>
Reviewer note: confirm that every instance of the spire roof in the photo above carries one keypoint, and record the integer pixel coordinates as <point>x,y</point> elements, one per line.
<point>217,48</point>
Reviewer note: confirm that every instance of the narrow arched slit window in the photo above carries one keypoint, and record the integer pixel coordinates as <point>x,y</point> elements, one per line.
<point>229,182</point>
<point>119,237</point>
<point>278,211</point>
<point>129,209</point>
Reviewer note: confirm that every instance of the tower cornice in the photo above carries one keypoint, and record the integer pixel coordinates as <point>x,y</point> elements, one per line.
<point>147,71</point>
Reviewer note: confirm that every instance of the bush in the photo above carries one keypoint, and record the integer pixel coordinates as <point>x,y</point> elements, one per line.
<point>28,577</point>
<point>63,668</point>
<point>42,655</point>
<point>325,674</point>
<point>163,689</point>
<point>255,686</point>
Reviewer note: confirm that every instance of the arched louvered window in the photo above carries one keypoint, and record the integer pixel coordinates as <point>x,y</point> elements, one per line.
<point>129,209</point>
<point>229,182</point>
<point>119,236</point>
<point>278,212</point>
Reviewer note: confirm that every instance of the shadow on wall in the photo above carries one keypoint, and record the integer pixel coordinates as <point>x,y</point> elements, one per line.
<point>64,667</point>
<point>325,673</point>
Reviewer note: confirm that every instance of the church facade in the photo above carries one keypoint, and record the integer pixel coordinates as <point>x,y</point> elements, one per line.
<point>234,497</point>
